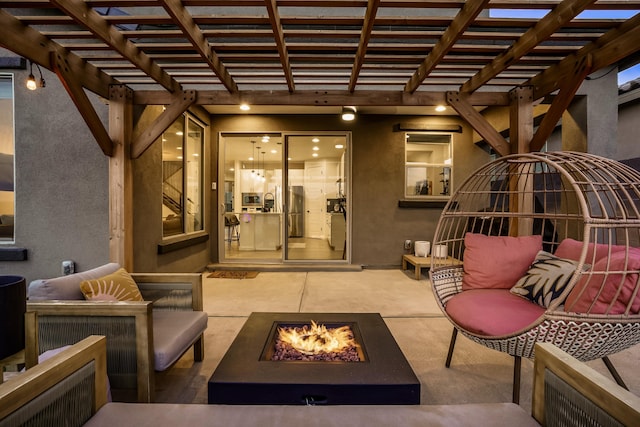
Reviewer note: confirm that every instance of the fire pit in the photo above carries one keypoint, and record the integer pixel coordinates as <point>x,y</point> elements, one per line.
<point>370,369</point>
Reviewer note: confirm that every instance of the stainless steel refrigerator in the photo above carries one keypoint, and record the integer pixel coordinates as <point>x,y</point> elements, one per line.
<point>296,211</point>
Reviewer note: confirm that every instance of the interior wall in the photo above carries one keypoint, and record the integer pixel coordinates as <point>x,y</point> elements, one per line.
<point>379,227</point>
<point>62,182</point>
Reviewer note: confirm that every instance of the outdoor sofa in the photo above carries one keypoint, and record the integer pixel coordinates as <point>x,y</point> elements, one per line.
<point>72,386</point>
<point>142,336</point>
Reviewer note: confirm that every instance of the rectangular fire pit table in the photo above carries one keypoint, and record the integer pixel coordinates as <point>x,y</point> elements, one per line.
<point>246,375</point>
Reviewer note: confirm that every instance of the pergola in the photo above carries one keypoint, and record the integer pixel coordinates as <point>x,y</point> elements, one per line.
<point>365,53</point>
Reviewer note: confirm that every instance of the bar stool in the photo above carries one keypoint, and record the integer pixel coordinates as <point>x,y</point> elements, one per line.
<point>231,223</point>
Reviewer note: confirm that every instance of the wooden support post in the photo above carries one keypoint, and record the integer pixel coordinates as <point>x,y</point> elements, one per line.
<point>120,177</point>
<point>520,135</point>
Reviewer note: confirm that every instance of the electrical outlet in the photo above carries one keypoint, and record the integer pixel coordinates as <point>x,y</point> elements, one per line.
<point>407,244</point>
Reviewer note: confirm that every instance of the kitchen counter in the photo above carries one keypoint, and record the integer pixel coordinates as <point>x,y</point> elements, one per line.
<point>260,231</point>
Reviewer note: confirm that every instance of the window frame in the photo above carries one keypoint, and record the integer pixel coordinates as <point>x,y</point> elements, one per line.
<point>12,135</point>
<point>188,121</point>
<point>412,187</point>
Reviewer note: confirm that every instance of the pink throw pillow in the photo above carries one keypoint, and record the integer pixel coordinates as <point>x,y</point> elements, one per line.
<point>497,261</point>
<point>492,312</point>
<point>579,301</point>
<point>571,249</point>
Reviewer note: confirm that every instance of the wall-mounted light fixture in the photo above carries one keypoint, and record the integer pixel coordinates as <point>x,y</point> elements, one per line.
<point>31,80</point>
<point>348,113</point>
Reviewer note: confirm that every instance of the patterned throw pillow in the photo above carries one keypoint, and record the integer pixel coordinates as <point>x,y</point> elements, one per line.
<point>546,279</point>
<point>119,284</point>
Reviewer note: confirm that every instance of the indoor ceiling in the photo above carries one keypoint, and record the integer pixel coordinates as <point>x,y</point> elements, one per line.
<point>308,56</point>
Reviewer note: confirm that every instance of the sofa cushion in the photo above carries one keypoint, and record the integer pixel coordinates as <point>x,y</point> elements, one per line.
<point>607,287</point>
<point>492,312</point>
<point>571,249</point>
<point>546,279</point>
<point>173,332</point>
<point>497,261</point>
<point>119,285</point>
<point>174,414</point>
<point>67,287</point>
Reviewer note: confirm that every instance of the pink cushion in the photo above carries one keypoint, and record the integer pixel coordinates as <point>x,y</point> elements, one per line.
<point>492,312</point>
<point>497,261</point>
<point>580,301</point>
<point>571,249</point>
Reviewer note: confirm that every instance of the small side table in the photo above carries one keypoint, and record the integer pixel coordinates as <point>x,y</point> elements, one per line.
<point>418,262</point>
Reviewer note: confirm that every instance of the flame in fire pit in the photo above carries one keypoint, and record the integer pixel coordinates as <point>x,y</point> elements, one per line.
<point>316,339</point>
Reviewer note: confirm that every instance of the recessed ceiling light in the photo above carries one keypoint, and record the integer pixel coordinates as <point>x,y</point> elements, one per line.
<point>316,140</point>
<point>440,108</point>
<point>316,148</point>
<point>179,133</point>
<point>339,146</point>
<point>315,154</point>
<point>274,151</point>
<point>245,107</point>
<point>179,157</point>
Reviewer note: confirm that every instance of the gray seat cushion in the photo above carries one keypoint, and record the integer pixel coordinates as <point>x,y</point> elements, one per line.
<point>67,287</point>
<point>166,414</point>
<point>173,332</point>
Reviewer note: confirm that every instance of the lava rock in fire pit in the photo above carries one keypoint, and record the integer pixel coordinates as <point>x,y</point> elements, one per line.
<point>316,343</point>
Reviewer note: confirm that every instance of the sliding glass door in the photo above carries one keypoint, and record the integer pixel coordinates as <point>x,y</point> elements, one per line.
<point>283,197</point>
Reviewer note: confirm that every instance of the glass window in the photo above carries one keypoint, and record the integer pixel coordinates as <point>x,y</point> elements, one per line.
<point>7,199</point>
<point>182,177</point>
<point>428,165</point>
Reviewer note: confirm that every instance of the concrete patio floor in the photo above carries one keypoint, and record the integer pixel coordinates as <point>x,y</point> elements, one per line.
<point>477,374</point>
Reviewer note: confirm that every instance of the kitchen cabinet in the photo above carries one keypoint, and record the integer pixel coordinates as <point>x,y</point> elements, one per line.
<point>260,231</point>
<point>336,230</point>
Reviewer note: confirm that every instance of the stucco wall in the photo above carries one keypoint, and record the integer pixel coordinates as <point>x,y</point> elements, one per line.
<point>629,131</point>
<point>62,203</point>
<point>379,226</point>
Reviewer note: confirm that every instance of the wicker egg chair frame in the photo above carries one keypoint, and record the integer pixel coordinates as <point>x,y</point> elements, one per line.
<point>557,195</point>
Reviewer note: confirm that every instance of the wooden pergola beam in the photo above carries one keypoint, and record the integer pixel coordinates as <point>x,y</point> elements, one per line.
<point>323,98</point>
<point>560,103</point>
<point>181,102</point>
<point>365,36</point>
<point>545,27</point>
<point>76,92</point>
<point>613,46</point>
<point>183,18</point>
<point>86,16</point>
<point>460,103</point>
<point>29,43</point>
<point>460,23</point>
<point>278,34</point>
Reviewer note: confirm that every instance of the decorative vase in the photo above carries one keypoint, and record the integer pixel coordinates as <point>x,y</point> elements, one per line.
<point>422,248</point>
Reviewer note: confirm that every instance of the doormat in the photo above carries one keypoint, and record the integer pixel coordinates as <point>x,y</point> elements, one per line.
<point>231,274</point>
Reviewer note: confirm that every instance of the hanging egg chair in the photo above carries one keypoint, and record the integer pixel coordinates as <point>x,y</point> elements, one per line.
<point>542,247</point>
